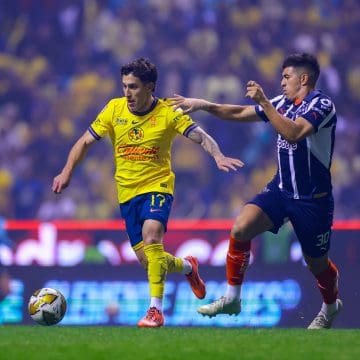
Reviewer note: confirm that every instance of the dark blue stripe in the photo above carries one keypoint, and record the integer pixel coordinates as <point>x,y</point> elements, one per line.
<point>93,133</point>
<point>189,129</point>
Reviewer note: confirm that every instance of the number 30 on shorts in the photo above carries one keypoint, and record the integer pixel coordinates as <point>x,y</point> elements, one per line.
<point>323,240</point>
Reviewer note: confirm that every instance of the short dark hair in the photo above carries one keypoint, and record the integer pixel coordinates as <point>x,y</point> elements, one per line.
<point>142,68</point>
<point>307,61</point>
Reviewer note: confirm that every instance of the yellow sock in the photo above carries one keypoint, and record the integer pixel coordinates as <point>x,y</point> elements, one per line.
<point>157,269</point>
<point>174,264</point>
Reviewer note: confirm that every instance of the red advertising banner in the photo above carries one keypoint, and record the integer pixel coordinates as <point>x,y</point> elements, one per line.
<point>71,243</point>
<point>93,265</point>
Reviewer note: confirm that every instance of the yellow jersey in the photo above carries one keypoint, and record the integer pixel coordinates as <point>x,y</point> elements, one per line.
<point>142,145</point>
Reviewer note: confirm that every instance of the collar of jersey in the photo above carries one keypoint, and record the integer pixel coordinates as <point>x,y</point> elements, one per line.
<point>151,108</point>
<point>311,95</point>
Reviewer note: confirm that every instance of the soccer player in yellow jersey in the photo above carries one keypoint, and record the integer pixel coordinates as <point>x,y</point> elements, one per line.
<point>142,129</point>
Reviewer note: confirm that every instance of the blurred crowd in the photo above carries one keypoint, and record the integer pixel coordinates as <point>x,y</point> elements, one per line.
<point>59,65</point>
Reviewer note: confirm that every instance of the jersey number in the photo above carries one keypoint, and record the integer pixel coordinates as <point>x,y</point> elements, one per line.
<point>158,197</point>
<point>323,240</point>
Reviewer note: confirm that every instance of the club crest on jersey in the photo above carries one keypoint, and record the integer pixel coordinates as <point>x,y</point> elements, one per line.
<point>136,134</point>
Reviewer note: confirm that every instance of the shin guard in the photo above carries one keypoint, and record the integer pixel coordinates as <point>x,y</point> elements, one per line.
<point>237,261</point>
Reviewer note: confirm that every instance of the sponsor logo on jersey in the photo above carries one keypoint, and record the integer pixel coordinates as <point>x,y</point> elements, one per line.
<point>325,104</point>
<point>177,118</point>
<point>120,121</point>
<point>283,144</point>
<point>138,153</point>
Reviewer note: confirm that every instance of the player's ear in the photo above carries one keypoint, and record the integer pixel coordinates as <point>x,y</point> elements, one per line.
<point>304,79</point>
<point>150,86</point>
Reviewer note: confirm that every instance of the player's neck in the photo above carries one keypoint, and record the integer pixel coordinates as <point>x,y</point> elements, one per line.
<point>301,96</point>
<point>149,105</point>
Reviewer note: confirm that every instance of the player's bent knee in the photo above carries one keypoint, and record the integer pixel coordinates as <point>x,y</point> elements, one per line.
<point>241,228</point>
<point>239,231</point>
<point>317,265</point>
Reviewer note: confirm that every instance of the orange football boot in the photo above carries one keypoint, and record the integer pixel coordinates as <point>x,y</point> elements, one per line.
<point>153,318</point>
<point>194,279</point>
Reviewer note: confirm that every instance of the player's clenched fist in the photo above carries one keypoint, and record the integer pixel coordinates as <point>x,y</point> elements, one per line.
<point>254,91</point>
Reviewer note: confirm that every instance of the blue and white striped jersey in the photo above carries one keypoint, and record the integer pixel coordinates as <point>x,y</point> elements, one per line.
<point>304,167</point>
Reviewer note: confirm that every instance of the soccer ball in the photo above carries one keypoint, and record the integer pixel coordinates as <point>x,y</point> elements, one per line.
<point>47,306</point>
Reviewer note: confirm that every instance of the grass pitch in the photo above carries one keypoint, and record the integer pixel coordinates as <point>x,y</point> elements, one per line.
<point>66,343</point>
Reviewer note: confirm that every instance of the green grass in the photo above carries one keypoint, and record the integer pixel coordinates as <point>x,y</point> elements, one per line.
<point>66,343</point>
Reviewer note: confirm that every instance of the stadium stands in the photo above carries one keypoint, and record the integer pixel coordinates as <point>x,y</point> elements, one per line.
<point>59,64</point>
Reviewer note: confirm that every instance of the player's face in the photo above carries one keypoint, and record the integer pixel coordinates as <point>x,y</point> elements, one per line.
<point>291,83</point>
<point>138,94</point>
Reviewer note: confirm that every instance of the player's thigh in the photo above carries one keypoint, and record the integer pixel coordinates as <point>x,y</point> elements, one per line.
<point>156,206</point>
<point>312,220</point>
<point>251,222</point>
<point>152,232</point>
<point>131,215</point>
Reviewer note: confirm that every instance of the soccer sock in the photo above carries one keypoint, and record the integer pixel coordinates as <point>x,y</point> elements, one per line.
<point>187,267</point>
<point>237,261</point>
<point>157,269</point>
<point>233,292</point>
<point>174,264</point>
<point>327,282</point>
<point>329,309</point>
<point>156,302</point>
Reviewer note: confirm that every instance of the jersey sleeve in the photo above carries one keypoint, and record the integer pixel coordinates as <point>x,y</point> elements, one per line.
<point>183,124</point>
<point>102,124</point>
<point>320,112</point>
<point>260,111</point>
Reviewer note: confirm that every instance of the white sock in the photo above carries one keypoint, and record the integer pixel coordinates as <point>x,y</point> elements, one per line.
<point>156,302</point>
<point>329,309</point>
<point>233,292</point>
<point>187,268</point>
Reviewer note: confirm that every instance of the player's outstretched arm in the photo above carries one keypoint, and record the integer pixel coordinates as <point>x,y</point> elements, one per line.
<point>222,111</point>
<point>76,154</point>
<point>199,136</point>
<point>292,131</point>
<point>188,105</point>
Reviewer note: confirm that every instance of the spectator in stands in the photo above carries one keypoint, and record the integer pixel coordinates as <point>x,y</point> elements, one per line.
<point>43,80</point>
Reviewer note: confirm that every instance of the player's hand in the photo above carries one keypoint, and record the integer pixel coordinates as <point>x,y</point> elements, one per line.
<point>254,91</point>
<point>187,105</point>
<point>60,182</point>
<point>225,163</point>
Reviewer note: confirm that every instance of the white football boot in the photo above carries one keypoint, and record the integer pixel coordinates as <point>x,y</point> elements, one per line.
<point>323,320</point>
<point>220,306</point>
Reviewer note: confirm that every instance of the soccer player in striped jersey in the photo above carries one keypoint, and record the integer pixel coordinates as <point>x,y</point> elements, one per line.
<point>142,128</point>
<point>301,190</point>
